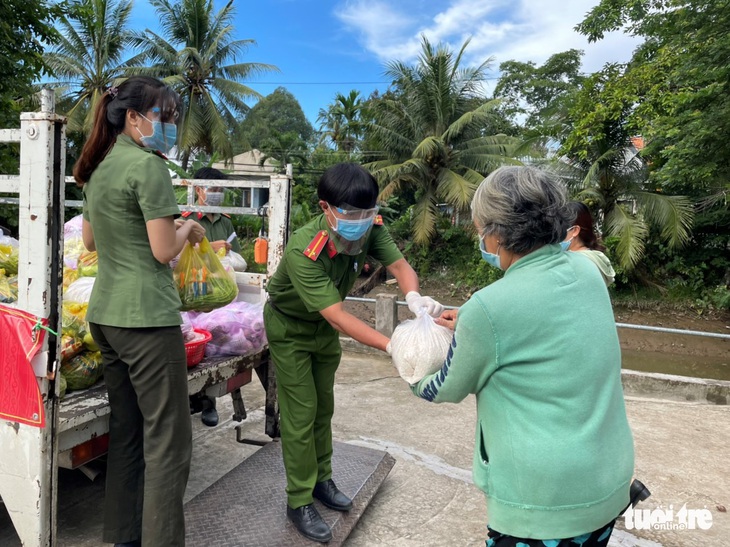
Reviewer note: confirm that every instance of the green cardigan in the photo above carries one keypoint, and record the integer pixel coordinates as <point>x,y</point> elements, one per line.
<point>553,453</point>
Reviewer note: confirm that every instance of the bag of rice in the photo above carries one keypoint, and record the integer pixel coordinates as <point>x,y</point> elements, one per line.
<point>419,347</point>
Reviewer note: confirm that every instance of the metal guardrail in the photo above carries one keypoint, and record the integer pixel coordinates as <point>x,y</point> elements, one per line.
<point>620,325</point>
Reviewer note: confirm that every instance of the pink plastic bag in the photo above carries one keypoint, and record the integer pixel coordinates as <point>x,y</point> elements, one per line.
<point>237,329</point>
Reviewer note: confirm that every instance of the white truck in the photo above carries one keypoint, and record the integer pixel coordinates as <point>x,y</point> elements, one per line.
<point>76,427</point>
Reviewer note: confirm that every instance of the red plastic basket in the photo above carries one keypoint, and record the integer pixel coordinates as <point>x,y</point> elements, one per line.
<point>196,350</point>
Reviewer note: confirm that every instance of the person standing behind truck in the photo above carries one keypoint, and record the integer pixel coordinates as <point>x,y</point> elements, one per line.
<point>218,228</point>
<point>133,313</point>
<point>303,318</point>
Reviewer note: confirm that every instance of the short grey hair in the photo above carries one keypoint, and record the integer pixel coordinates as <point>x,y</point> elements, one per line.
<point>524,207</point>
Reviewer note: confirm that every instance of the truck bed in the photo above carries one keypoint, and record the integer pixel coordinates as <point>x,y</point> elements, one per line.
<point>84,414</point>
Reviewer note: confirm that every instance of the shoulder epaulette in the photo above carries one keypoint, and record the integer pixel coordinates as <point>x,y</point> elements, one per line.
<point>315,246</point>
<point>378,220</point>
<point>226,215</point>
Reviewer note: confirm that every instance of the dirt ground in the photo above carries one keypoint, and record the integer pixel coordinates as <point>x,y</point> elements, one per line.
<point>654,314</point>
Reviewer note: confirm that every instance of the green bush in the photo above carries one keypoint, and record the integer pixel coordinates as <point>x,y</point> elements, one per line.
<point>453,254</point>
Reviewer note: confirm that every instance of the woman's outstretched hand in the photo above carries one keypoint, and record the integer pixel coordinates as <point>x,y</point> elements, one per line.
<point>447,319</point>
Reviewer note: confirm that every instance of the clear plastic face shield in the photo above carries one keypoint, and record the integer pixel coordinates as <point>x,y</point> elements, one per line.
<point>351,227</point>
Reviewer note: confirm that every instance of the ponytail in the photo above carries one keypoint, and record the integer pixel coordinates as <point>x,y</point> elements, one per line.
<point>103,136</point>
<point>584,220</point>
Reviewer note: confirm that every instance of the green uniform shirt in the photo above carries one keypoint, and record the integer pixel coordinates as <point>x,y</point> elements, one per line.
<point>130,187</point>
<point>301,287</point>
<point>220,228</point>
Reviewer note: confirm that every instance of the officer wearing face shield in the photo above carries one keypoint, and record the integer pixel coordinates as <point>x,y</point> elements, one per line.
<point>303,319</point>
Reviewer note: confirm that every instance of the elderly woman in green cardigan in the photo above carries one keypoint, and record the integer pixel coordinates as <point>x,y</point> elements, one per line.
<point>553,453</point>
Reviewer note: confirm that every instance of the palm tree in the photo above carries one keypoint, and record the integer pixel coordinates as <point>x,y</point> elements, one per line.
<point>193,56</point>
<point>614,179</point>
<point>88,57</point>
<point>434,133</point>
<point>341,122</point>
<point>605,168</point>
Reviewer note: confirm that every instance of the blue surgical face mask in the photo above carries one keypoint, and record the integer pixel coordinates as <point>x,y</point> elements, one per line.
<point>214,199</point>
<point>352,230</point>
<point>490,258</point>
<point>565,245</point>
<point>163,136</point>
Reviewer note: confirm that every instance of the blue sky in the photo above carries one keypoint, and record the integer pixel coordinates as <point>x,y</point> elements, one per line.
<point>327,46</point>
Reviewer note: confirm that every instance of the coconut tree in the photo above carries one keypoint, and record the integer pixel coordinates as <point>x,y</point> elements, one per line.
<point>434,132</point>
<point>88,57</point>
<point>341,122</point>
<point>197,54</point>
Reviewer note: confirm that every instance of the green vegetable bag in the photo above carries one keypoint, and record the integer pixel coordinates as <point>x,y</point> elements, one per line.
<point>202,282</point>
<point>82,371</point>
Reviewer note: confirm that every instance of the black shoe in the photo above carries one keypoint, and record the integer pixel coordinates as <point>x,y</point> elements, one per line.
<point>638,492</point>
<point>137,543</point>
<point>328,493</point>
<point>306,519</point>
<point>209,415</point>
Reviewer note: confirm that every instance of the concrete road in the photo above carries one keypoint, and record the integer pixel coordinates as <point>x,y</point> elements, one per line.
<point>429,499</point>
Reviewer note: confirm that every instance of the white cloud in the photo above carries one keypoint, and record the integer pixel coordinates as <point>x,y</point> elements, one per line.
<point>385,30</point>
<point>524,30</point>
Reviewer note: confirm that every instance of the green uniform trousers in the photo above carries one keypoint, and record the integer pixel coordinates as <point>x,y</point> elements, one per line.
<point>150,434</point>
<point>306,355</point>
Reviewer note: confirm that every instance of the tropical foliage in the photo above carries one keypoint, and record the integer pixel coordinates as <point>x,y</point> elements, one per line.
<point>276,114</point>
<point>434,134</point>
<point>88,57</point>
<point>196,53</point>
<point>341,122</point>
<point>676,87</point>
<point>540,95</point>
<point>613,176</point>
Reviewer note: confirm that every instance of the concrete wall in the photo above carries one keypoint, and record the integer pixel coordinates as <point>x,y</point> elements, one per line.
<point>643,384</point>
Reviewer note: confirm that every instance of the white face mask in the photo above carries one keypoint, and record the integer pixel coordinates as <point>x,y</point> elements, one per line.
<point>214,199</point>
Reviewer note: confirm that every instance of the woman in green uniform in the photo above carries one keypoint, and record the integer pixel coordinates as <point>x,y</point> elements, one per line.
<point>129,207</point>
<point>303,319</point>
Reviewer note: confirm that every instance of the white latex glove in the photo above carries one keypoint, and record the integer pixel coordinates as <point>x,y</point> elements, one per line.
<point>416,302</point>
<point>389,349</point>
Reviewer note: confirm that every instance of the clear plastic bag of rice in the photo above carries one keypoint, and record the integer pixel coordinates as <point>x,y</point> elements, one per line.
<point>419,347</point>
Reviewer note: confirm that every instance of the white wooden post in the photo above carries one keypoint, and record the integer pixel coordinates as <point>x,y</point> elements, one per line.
<point>28,471</point>
<point>279,206</point>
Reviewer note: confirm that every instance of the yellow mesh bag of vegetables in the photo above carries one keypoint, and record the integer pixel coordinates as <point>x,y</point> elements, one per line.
<point>8,288</point>
<point>201,279</point>
<point>9,255</point>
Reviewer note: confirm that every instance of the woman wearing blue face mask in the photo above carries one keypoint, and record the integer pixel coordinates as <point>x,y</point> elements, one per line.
<point>582,238</point>
<point>134,317</point>
<point>303,319</point>
<point>553,453</point>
